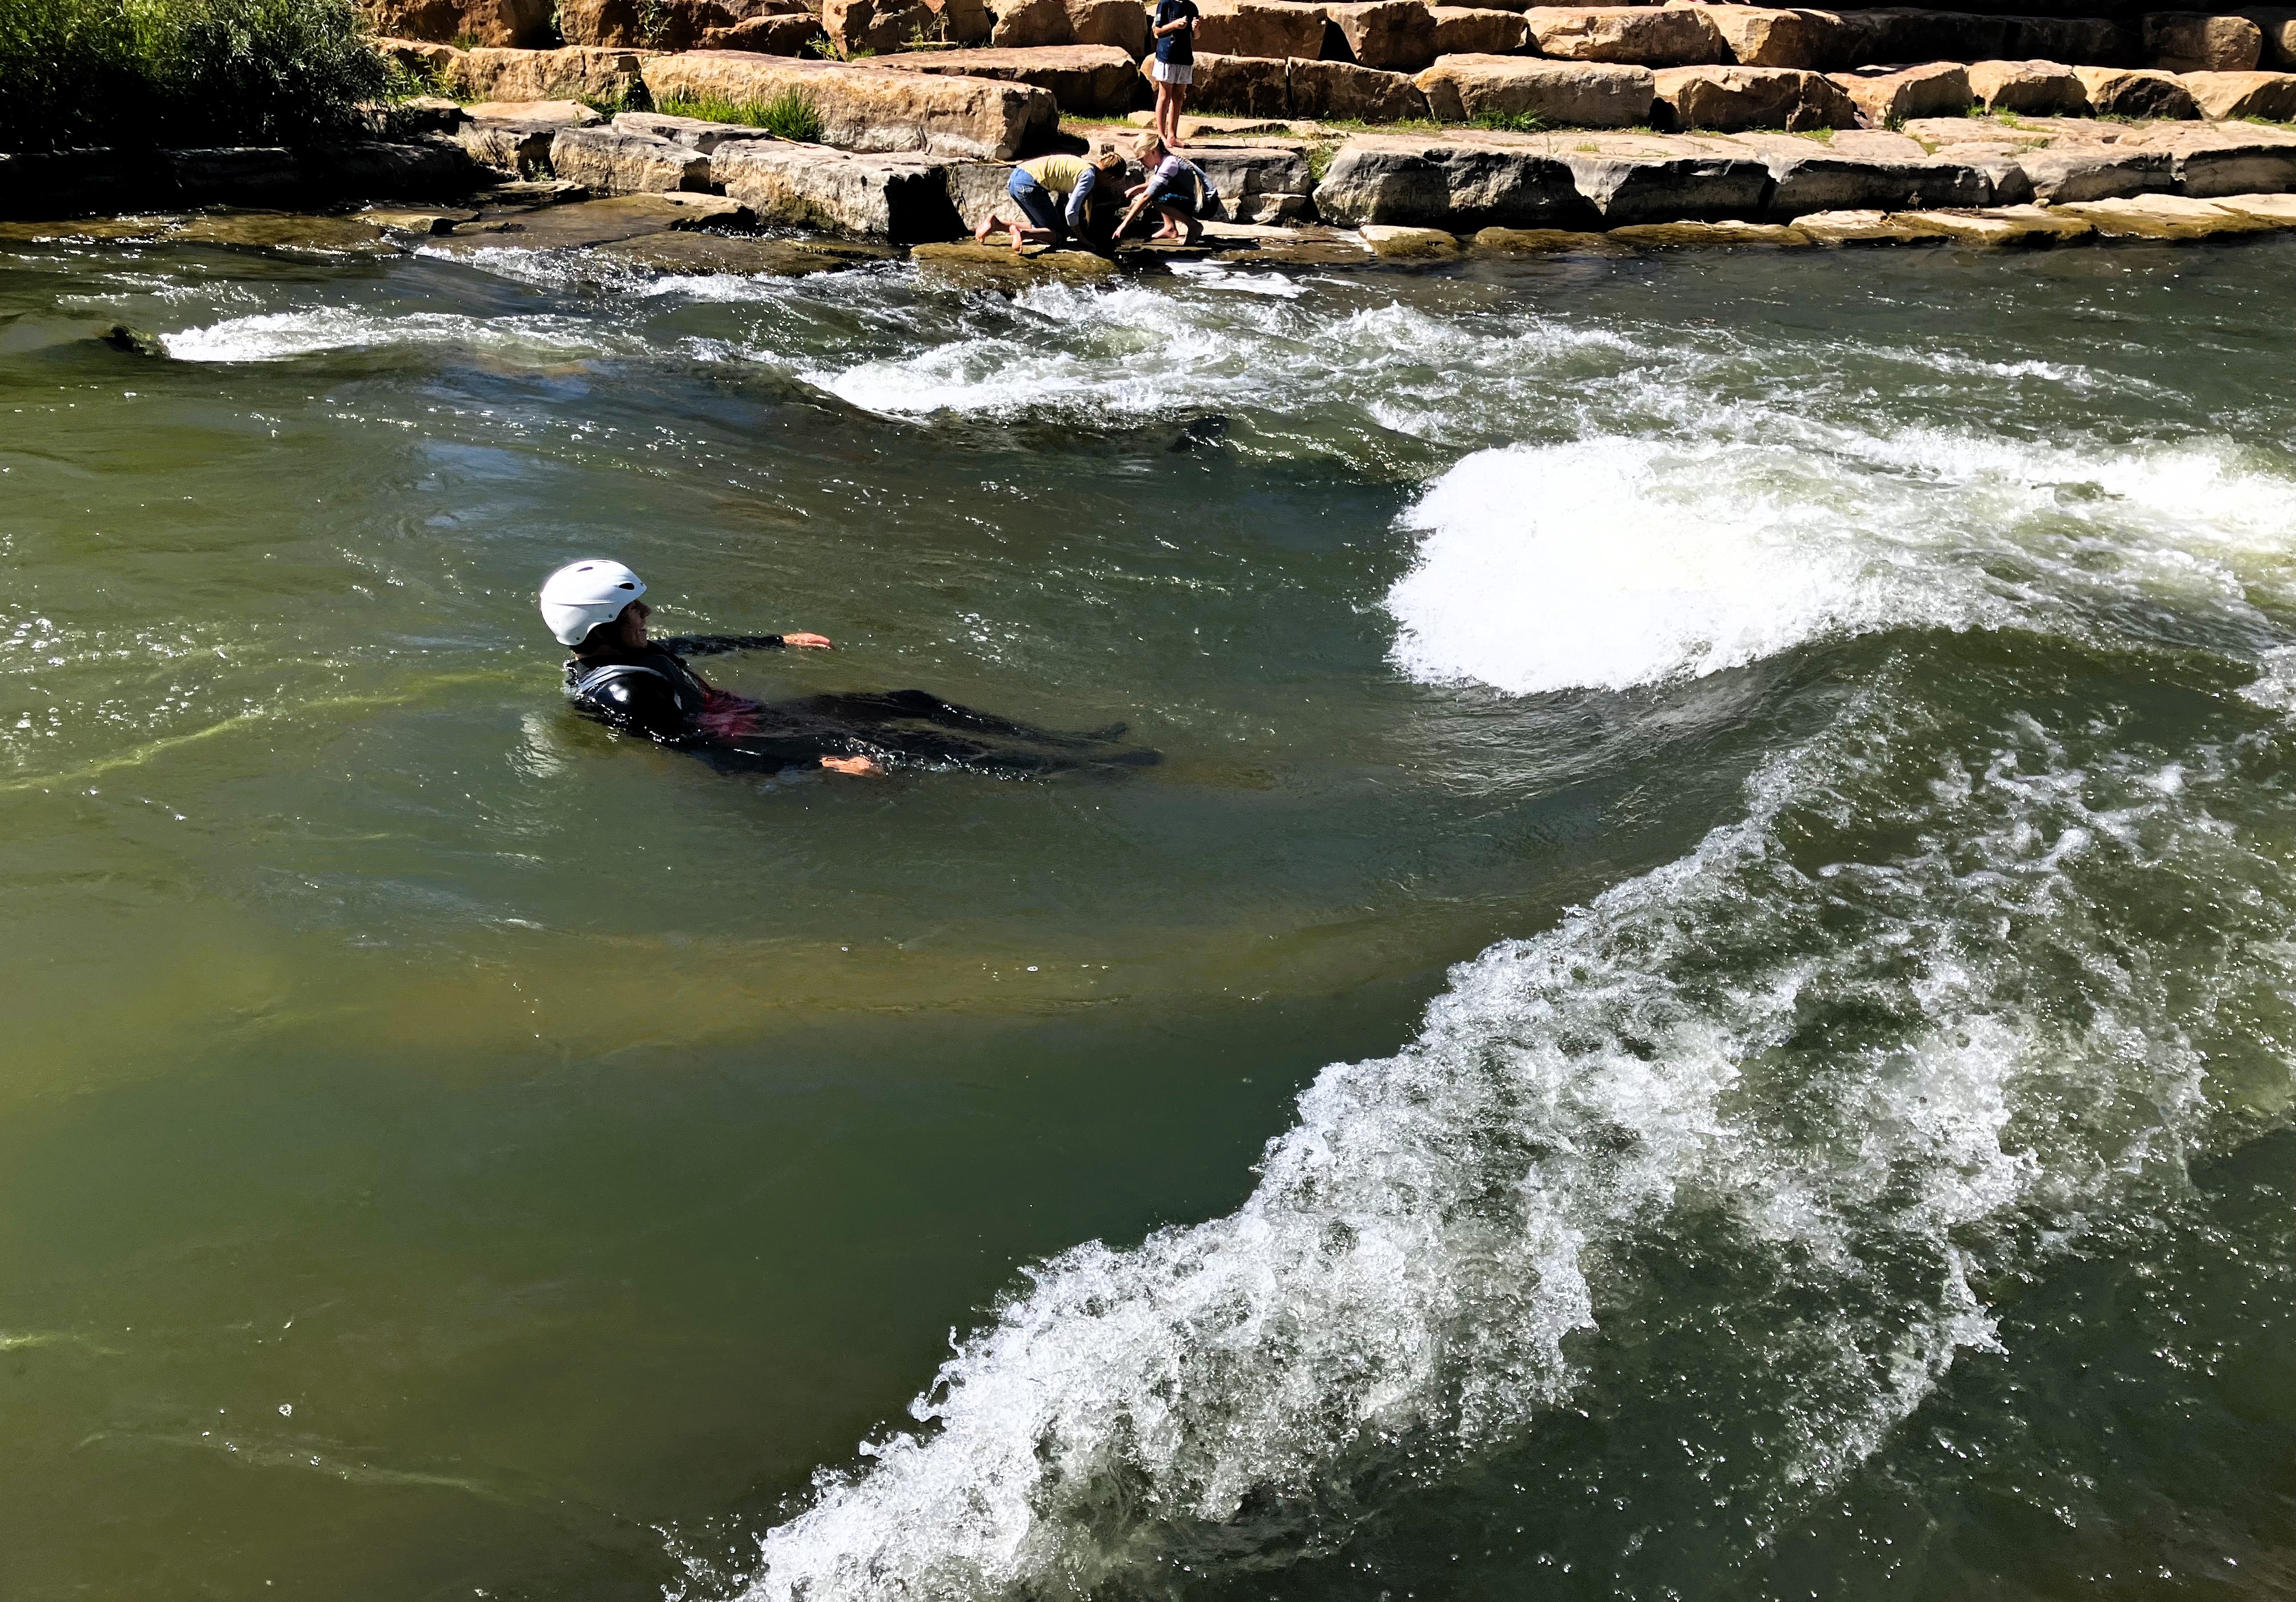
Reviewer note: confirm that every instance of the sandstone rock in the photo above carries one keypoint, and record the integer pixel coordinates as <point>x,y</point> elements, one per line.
<point>1545,241</point>
<point>1390,242</point>
<point>577,72</point>
<point>2209,160</point>
<point>781,34</point>
<point>1870,228</point>
<point>903,198</point>
<point>1623,190</point>
<point>1338,91</point>
<point>1387,178</point>
<point>1260,27</point>
<point>556,113</point>
<point>874,27</point>
<point>1660,235</point>
<point>2279,209</point>
<point>1274,208</point>
<point>2187,41</point>
<point>520,24</point>
<point>2030,89</point>
<point>620,161</point>
<point>585,223</point>
<point>1030,24</point>
<point>442,62</point>
<point>1561,94</point>
<point>694,132</point>
<point>2084,41</point>
<point>1820,181</point>
<point>1006,270</point>
<point>2135,93</point>
<point>1900,36</point>
<point>1241,172</point>
<point>512,146</point>
<point>659,24</point>
<point>2218,95</point>
<point>869,108</point>
<point>422,114</point>
<point>531,192</point>
<point>2095,173</point>
<point>693,255</point>
<point>1122,23</point>
<point>1893,94</point>
<point>2003,225</point>
<point>1729,99</point>
<point>962,21</point>
<point>1392,36</point>
<point>1087,80</point>
<point>1755,35</point>
<point>1248,84</point>
<point>2278,27</point>
<point>2163,216</point>
<point>284,231</point>
<point>1669,36</point>
<point>1475,30</point>
<point>978,189</point>
<point>419,220</point>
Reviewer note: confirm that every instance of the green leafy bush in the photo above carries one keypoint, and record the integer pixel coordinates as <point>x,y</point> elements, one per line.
<point>181,72</point>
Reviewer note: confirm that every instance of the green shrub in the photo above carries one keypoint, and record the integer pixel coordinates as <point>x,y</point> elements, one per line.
<point>789,115</point>
<point>181,72</point>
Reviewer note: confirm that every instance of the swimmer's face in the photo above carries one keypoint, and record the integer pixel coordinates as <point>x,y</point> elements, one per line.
<point>633,624</point>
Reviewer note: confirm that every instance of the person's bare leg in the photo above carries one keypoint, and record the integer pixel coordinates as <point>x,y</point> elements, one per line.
<point>1179,104</point>
<point>980,234</point>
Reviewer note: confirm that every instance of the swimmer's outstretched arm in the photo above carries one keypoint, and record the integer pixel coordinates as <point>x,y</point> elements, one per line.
<point>717,645</point>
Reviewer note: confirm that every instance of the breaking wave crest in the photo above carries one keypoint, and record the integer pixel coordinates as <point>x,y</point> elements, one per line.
<point>1857,1036</point>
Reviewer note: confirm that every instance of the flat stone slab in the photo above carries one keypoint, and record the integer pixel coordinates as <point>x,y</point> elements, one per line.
<point>415,219</point>
<point>1001,269</point>
<point>285,231</point>
<point>2165,216</point>
<point>1545,241</point>
<point>907,200</point>
<point>1868,228</point>
<point>565,113</point>
<point>2004,225</point>
<point>695,255</point>
<point>1646,235</point>
<point>585,223</point>
<point>90,231</point>
<point>1408,244</point>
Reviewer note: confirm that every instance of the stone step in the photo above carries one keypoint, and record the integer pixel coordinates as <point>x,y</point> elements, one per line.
<point>1087,80</point>
<point>871,108</point>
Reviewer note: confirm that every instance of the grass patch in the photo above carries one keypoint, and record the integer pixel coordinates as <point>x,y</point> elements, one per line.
<point>788,115</point>
<point>181,72</point>
<point>1816,136</point>
<point>1509,122</point>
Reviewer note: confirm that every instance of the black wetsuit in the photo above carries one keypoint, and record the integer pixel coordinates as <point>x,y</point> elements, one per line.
<point>654,693</point>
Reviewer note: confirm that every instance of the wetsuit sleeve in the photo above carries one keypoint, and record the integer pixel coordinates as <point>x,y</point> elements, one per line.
<point>642,703</point>
<point>717,645</point>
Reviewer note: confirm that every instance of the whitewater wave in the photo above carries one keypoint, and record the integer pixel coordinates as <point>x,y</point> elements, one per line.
<point>280,336</point>
<point>1858,1070</point>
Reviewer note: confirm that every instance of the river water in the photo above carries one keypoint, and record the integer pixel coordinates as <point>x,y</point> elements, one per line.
<point>1699,1005</point>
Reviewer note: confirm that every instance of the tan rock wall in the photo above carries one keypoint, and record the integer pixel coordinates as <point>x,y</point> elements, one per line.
<point>1667,36</point>
<point>2198,42</point>
<point>870,109</point>
<point>1584,94</point>
<point>1262,28</point>
<point>1477,30</point>
<point>1729,100</point>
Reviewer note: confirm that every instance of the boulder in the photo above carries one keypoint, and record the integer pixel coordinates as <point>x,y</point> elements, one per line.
<point>2084,41</point>
<point>2190,41</point>
<point>1477,30</point>
<point>658,24</point>
<point>1122,23</point>
<point>2029,88</point>
<point>1267,168</point>
<point>1756,36</point>
<point>874,27</point>
<point>2278,28</point>
<point>2137,92</point>
<point>1087,80</point>
<point>420,56</point>
<point>1870,228</point>
<point>779,34</point>
<point>1250,85</point>
<point>1814,179</point>
<point>1669,36</point>
<point>1545,241</point>
<point>1584,94</point>
<point>1341,91</point>
<point>961,21</point>
<point>2271,95</point>
<point>1660,235</point>
<point>1901,35</point>
<point>1452,185</point>
<point>1389,242</point>
<point>869,108</point>
<point>510,145</point>
<point>1260,27</point>
<point>1390,35</point>
<point>615,161</point>
<point>1893,95</point>
<point>576,72</point>
<point>901,198</point>
<point>1628,189</point>
<point>965,265</point>
<point>519,24</point>
<point>2096,172</point>
<point>2212,159</point>
<point>1030,24</point>
<point>694,132</point>
<point>1730,99</point>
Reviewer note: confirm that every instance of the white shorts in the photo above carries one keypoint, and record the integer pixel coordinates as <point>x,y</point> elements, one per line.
<point>1172,72</point>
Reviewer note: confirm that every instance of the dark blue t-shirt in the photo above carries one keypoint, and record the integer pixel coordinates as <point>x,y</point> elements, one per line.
<point>1179,45</point>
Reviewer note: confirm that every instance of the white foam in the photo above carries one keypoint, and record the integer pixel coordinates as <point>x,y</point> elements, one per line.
<point>1402,1285</point>
<point>281,335</point>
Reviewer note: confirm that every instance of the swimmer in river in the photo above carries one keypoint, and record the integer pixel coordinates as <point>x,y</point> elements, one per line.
<point>622,676</point>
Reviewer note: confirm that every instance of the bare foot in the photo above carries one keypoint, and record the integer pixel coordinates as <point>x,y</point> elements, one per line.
<point>860,767</point>
<point>807,641</point>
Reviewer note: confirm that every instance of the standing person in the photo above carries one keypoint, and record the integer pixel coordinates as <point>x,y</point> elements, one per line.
<point>1052,193</point>
<point>1175,33</point>
<point>1176,188</point>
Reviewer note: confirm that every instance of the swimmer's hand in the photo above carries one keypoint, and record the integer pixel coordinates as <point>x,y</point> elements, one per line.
<point>808,642</point>
<point>860,767</point>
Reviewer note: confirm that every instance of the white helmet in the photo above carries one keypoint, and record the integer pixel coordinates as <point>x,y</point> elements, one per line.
<point>577,599</point>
